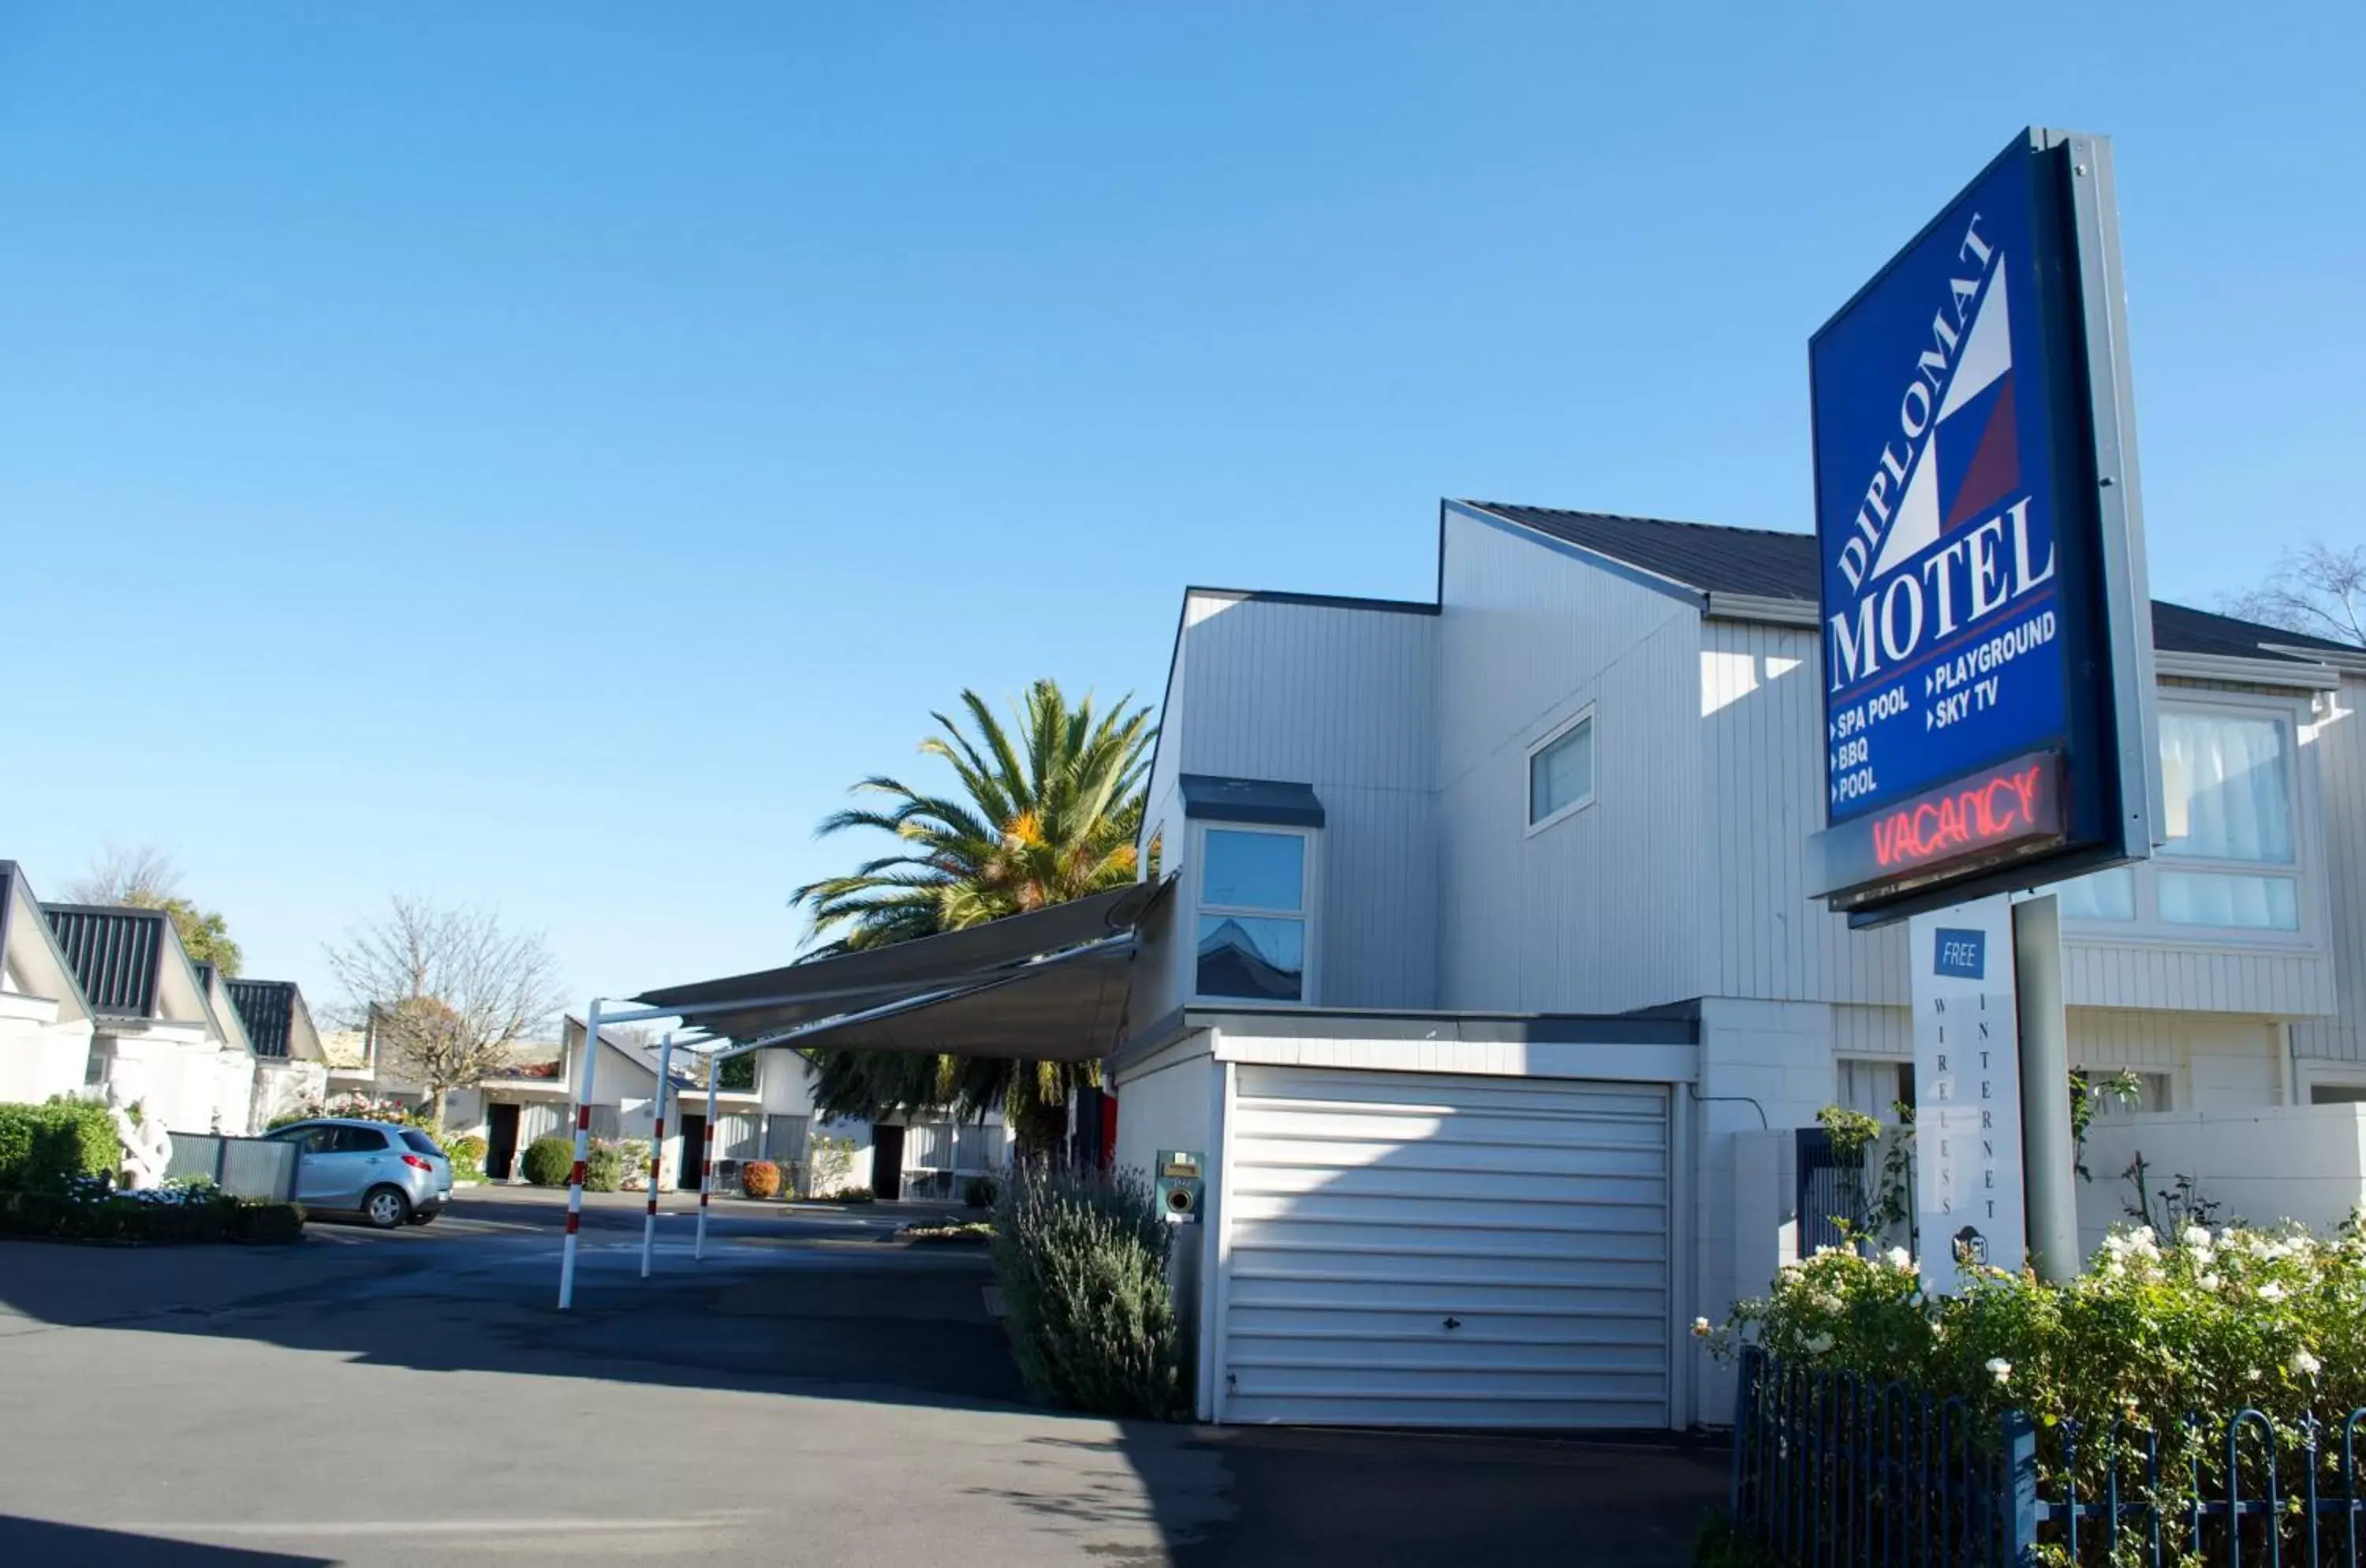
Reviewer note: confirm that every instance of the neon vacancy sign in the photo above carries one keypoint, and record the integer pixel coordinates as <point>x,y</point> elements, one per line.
<point>1986,817</point>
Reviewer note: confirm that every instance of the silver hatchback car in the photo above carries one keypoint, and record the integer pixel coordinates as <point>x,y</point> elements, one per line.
<point>389,1173</point>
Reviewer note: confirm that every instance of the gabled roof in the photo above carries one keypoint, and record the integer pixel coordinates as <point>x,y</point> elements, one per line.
<point>1764,563</point>
<point>269,1009</point>
<point>21,920</point>
<point>118,953</point>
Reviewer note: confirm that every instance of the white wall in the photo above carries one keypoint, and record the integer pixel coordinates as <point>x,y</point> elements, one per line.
<point>1599,912</point>
<point>1338,696</point>
<point>2306,1163</point>
<point>1168,1109</point>
<point>1762,745</point>
<point>2337,738</point>
<point>39,1055</point>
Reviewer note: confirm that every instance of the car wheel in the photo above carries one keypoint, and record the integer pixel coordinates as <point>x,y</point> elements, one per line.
<point>385,1208</point>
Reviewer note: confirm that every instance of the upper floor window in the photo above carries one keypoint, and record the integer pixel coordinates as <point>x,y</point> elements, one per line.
<point>1252,915</point>
<point>1561,773</point>
<point>2230,861</point>
<point>2226,782</point>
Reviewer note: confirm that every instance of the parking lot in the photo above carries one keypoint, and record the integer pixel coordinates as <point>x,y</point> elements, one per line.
<point>815,1392</point>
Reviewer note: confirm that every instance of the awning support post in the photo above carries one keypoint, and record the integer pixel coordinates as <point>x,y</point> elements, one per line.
<point>657,1151</point>
<point>583,1148</point>
<point>707,1165</point>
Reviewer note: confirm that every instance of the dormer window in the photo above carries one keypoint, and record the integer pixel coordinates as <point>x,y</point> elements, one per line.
<point>1253,857</point>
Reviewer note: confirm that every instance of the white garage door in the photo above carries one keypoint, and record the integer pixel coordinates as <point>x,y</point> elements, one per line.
<point>1434,1251</point>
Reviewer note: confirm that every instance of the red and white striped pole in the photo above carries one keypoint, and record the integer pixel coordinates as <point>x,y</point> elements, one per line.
<point>657,1151</point>
<point>706,1166</point>
<point>583,1148</point>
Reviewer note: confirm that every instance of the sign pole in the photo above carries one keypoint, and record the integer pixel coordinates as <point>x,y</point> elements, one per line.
<point>2047,1151</point>
<point>657,1152</point>
<point>582,1139</point>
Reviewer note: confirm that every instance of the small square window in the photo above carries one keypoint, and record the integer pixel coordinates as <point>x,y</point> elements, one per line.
<point>1561,773</point>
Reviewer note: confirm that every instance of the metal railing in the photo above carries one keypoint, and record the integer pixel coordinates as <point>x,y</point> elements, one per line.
<point>1833,1470</point>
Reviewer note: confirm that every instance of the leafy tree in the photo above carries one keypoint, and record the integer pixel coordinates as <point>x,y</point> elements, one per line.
<point>1045,811</point>
<point>144,877</point>
<point>448,991</point>
<point>2319,591</point>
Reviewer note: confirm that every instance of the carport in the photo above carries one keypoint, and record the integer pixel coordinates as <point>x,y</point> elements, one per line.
<point>1050,985</point>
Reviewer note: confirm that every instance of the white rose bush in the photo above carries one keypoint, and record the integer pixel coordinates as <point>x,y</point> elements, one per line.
<point>2160,1340</point>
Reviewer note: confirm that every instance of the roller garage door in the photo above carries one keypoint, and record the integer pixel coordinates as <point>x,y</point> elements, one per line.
<point>1433,1251</point>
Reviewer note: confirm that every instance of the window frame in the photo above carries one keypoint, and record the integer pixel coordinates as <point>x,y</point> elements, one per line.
<point>1582,719</point>
<point>2147,928</point>
<point>1308,914</point>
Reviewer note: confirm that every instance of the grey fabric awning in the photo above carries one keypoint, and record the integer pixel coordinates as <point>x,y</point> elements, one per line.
<point>871,989</point>
<point>1069,1008</point>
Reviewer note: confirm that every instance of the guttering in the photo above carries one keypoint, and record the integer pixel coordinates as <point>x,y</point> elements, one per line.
<point>2232,670</point>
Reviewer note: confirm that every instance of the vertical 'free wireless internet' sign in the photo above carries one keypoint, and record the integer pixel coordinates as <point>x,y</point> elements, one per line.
<point>1986,629</point>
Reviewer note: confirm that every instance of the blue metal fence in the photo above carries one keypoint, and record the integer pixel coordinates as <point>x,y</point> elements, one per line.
<point>1833,1470</point>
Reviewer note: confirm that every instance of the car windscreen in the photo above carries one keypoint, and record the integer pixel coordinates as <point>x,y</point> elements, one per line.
<point>419,1143</point>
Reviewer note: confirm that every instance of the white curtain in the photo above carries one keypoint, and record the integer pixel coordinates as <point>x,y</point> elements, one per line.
<point>2228,784</point>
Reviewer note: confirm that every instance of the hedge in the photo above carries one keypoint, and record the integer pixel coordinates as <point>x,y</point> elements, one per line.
<point>124,1218</point>
<point>44,1147</point>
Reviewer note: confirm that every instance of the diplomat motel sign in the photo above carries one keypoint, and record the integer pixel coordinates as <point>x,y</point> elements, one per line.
<point>1987,641</point>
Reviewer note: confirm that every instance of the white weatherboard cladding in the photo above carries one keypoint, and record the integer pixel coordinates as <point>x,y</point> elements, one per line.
<point>1415,1249</point>
<point>1338,697</point>
<point>1765,937</point>
<point>1599,911</point>
<point>2338,740</point>
<point>1762,719</point>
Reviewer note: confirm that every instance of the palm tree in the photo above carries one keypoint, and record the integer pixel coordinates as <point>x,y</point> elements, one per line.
<point>1042,815</point>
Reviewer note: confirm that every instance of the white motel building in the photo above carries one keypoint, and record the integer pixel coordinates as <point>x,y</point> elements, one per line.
<point>1491,968</point>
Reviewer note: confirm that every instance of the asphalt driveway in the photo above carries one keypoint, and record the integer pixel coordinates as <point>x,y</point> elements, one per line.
<point>816,1392</point>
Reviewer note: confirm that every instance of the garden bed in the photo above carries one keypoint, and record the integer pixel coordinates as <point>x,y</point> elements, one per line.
<point>163,1217</point>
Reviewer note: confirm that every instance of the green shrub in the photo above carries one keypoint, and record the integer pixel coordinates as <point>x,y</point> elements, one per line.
<point>266,1223</point>
<point>189,1214</point>
<point>1082,1262</point>
<point>466,1153</point>
<point>978,1192</point>
<point>549,1161</point>
<point>2201,1323</point>
<point>603,1168</point>
<point>44,1147</point>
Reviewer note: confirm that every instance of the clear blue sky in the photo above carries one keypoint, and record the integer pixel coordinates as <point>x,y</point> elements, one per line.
<point>539,455</point>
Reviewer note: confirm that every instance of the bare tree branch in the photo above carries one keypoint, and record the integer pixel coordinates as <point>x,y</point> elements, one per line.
<point>451,990</point>
<point>2318,591</point>
<point>128,873</point>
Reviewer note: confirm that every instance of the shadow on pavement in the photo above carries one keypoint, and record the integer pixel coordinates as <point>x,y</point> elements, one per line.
<point>36,1541</point>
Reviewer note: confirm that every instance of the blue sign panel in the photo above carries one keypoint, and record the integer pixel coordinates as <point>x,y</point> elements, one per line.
<point>1964,602</point>
<point>1937,510</point>
<point>1961,954</point>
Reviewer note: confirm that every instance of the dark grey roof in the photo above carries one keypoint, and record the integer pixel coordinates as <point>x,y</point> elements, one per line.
<point>1701,555</point>
<point>2187,630</point>
<point>1784,566</point>
<point>1211,798</point>
<point>116,954</point>
<point>268,1008</point>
